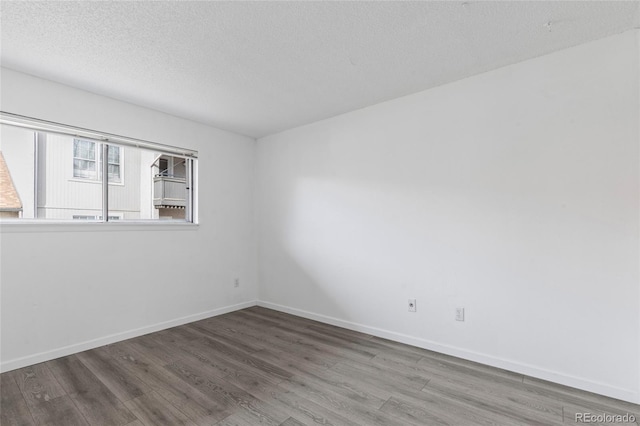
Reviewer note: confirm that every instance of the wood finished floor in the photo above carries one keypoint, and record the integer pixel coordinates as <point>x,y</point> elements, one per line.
<point>259,366</point>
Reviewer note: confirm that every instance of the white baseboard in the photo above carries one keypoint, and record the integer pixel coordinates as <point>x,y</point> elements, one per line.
<point>517,367</point>
<point>112,338</point>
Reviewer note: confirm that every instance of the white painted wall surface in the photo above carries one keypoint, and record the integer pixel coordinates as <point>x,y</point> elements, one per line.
<point>513,194</point>
<point>55,300</point>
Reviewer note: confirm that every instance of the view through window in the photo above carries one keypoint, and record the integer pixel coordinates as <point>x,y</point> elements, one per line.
<point>60,177</point>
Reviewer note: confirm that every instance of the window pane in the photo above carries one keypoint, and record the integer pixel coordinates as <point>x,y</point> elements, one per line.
<point>145,193</point>
<point>84,169</point>
<point>66,170</point>
<point>114,173</point>
<point>114,154</point>
<point>84,164</point>
<point>84,149</point>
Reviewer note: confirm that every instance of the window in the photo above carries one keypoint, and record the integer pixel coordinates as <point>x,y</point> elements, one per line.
<point>84,159</point>
<point>57,173</point>
<point>85,165</point>
<point>113,163</point>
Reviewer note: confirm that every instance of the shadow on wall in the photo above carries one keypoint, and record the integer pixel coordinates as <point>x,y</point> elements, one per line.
<point>358,252</point>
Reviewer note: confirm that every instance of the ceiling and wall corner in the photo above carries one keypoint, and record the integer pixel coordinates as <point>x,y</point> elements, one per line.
<point>263,67</point>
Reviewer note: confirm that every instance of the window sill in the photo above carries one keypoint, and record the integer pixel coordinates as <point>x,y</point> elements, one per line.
<point>95,181</point>
<point>26,225</point>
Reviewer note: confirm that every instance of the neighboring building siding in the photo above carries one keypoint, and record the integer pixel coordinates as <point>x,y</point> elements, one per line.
<point>61,195</point>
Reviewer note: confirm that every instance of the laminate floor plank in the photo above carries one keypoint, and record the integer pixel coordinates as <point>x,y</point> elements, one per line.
<point>341,344</point>
<point>349,404</point>
<point>307,338</point>
<point>243,358</point>
<point>390,344</point>
<point>254,383</point>
<point>413,414</point>
<point>93,399</point>
<point>381,376</point>
<point>430,368</point>
<point>467,369</point>
<point>123,384</point>
<point>243,329</point>
<point>359,389</point>
<point>330,352</point>
<point>305,349</point>
<point>303,339</point>
<point>244,367</point>
<point>13,407</point>
<point>309,412</point>
<point>244,418</point>
<point>176,351</point>
<point>160,347</point>
<point>347,390</point>
<point>591,405</point>
<point>250,316</point>
<point>333,330</point>
<point>492,410</point>
<point>305,322</point>
<point>197,406</point>
<point>579,397</point>
<point>295,361</point>
<point>251,378</point>
<point>276,341</point>
<point>274,315</point>
<point>227,393</point>
<point>509,396</point>
<point>230,339</point>
<point>291,422</point>
<point>458,410</point>
<point>152,409</point>
<point>347,339</point>
<point>257,366</point>
<point>434,356</point>
<point>59,411</point>
<point>37,383</point>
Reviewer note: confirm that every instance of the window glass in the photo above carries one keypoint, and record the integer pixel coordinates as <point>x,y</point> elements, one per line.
<point>155,187</point>
<point>84,159</point>
<point>51,176</point>
<point>113,163</point>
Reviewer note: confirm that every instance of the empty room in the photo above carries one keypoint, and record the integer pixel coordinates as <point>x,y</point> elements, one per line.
<point>319,213</point>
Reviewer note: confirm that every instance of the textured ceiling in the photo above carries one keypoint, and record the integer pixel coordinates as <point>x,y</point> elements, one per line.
<point>258,68</point>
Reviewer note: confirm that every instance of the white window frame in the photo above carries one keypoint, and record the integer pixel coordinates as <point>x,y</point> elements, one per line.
<point>103,139</point>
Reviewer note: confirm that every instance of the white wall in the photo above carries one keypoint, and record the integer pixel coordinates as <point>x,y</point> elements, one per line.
<point>513,194</point>
<point>54,298</point>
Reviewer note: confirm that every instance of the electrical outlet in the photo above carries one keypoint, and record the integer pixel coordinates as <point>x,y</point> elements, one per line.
<point>412,305</point>
<point>459,314</point>
<point>236,283</point>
